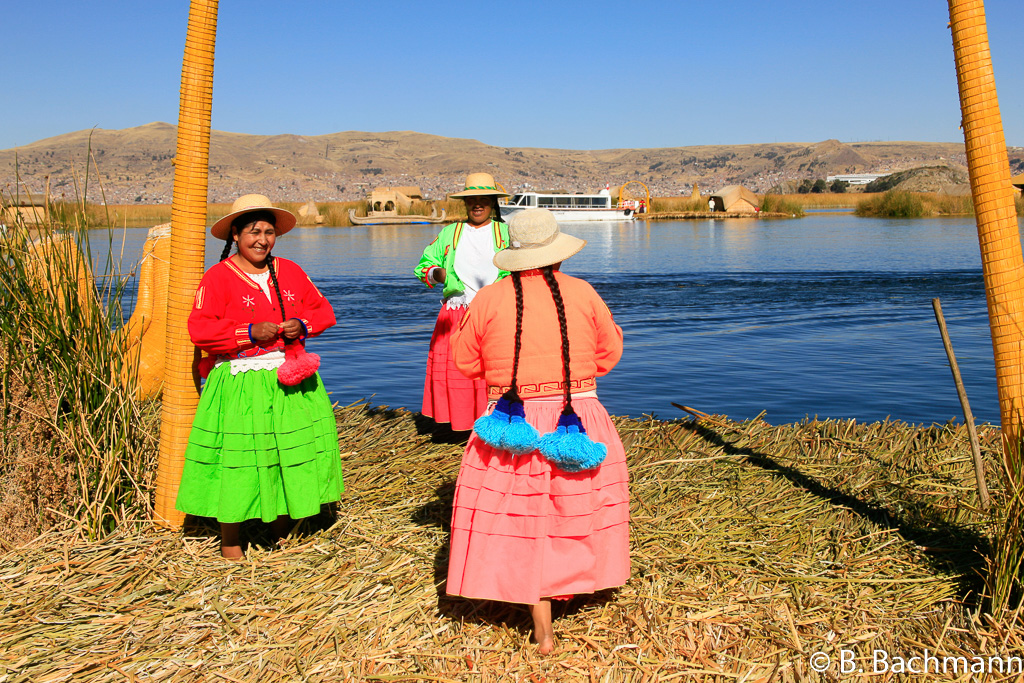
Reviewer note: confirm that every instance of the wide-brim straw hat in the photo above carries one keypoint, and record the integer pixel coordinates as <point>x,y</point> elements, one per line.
<point>253,202</point>
<point>480,185</point>
<point>535,241</point>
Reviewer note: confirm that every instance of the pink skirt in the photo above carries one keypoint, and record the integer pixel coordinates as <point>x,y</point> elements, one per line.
<point>523,530</point>
<point>448,395</point>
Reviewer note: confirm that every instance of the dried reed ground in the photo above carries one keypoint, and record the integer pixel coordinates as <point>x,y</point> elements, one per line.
<point>753,546</point>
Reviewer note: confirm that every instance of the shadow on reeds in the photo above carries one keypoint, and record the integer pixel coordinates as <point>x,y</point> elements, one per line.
<point>439,432</point>
<point>256,533</point>
<point>948,548</point>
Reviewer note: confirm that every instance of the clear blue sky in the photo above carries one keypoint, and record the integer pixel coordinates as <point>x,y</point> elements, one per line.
<point>523,74</point>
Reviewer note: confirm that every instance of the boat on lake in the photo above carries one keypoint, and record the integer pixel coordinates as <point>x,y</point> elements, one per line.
<point>393,218</point>
<point>569,208</point>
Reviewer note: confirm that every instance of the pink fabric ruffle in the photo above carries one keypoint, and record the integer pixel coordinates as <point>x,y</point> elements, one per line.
<point>448,395</point>
<point>523,530</point>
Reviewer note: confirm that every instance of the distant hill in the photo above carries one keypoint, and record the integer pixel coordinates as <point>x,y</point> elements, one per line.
<point>924,179</point>
<point>135,164</point>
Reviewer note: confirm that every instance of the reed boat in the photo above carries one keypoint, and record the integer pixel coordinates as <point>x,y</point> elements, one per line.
<point>392,218</point>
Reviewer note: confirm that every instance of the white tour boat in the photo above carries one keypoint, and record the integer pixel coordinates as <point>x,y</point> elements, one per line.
<point>569,208</point>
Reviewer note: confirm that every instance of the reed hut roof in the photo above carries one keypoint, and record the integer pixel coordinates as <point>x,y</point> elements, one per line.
<point>1018,181</point>
<point>731,194</point>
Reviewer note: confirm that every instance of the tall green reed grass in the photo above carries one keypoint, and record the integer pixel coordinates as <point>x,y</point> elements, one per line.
<point>892,204</point>
<point>773,203</point>
<point>677,204</point>
<point>76,447</point>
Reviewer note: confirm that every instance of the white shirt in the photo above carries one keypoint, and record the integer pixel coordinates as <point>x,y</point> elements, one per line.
<point>474,262</point>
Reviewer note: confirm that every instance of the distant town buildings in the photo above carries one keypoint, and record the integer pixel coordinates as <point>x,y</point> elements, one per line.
<point>856,178</point>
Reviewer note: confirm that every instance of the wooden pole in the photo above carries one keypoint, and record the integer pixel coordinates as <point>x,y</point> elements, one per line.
<point>979,465</point>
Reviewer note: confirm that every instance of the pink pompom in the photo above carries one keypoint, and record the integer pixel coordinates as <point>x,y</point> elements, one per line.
<point>298,365</point>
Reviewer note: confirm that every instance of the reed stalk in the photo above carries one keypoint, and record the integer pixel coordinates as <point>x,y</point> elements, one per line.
<point>893,204</point>
<point>677,204</point>
<point>773,203</point>
<point>77,446</point>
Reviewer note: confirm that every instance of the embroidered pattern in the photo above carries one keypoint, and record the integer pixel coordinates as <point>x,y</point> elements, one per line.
<point>544,388</point>
<point>248,300</point>
<point>200,295</point>
<point>314,287</point>
<point>238,273</point>
<point>288,295</point>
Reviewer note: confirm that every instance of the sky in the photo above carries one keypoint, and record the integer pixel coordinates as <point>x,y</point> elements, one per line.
<point>569,75</point>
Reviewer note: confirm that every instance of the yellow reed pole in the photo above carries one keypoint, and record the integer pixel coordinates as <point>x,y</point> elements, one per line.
<point>1001,259</point>
<point>188,241</point>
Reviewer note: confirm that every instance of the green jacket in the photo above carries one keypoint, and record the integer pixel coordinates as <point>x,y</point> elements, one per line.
<point>441,252</point>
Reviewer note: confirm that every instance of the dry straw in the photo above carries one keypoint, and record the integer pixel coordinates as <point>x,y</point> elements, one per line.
<point>753,546</point>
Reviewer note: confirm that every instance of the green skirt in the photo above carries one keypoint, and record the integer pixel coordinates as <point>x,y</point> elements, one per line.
<point>258,449</point>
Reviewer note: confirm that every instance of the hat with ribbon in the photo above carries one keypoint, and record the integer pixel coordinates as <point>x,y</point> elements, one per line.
<point>535,241</point>
<point>480,185</point>
<point>248,203</point>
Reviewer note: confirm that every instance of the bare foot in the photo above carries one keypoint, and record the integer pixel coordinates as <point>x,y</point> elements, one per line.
<point>232,552</point>
<point>543,633</point>
<point>230,545</point>
<point>280,527</point>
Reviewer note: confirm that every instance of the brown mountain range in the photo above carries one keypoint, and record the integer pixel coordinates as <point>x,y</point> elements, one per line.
<point>134,165</point>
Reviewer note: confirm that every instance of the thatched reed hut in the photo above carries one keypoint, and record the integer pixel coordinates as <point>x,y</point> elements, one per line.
<point>733,199</point>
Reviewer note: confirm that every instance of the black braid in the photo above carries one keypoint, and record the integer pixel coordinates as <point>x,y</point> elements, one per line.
<point>496,210</point>
<point>517,284</point>
<point>556,294</point>
<point>227,247</point>
<point>277,287</point>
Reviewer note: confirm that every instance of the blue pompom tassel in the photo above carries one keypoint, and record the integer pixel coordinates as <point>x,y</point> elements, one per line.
<point>491,428</point>
<point>520,437</point>
<point>569,448</point>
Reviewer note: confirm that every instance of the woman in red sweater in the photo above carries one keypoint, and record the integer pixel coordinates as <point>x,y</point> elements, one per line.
<point>259,448</point>
<point>541,505</point>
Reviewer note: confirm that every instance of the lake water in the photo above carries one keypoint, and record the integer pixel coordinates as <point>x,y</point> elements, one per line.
<point>828,315</point>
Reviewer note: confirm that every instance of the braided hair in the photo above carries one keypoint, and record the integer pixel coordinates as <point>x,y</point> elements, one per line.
<point>563,328</point>
<point>277,287</point>
<point>517,285</point>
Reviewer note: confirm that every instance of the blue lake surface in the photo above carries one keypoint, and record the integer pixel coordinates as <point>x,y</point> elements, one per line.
<point>828,315</point>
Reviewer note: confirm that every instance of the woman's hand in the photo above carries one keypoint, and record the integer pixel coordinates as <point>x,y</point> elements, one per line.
<point>438,275</point>
<point>264,331</point>
<point>290,329</point>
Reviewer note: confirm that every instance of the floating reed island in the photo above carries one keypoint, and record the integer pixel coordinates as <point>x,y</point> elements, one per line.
<point>753,547</point>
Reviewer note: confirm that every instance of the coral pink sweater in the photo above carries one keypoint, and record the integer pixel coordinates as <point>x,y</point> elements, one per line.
<point>484,343</point>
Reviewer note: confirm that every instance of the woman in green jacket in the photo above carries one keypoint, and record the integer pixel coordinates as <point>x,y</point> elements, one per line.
<point>460,259</point>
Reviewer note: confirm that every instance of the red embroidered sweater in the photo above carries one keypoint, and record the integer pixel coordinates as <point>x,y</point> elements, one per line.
<point>227,302</point>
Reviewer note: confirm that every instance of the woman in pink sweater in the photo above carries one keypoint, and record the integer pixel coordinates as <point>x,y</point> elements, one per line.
<point>541,506</point>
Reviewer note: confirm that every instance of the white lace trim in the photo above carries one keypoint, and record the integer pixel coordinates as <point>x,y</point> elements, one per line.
<point>457,301</point>
<point>267,361</point>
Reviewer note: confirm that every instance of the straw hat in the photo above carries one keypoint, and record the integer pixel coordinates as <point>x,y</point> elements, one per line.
<point>480,185</point>
<point>252,202</point>
<point>536,242</point>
